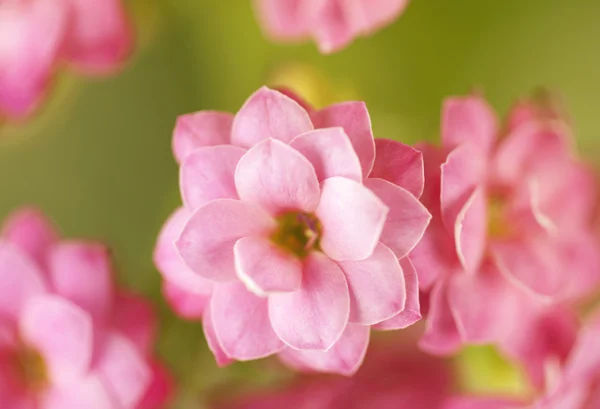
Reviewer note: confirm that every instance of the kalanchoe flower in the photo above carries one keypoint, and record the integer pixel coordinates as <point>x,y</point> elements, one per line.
<point>68,338</point>
<point>333,24</point>
<point>36,36</point>
<point>510,244</point>
<point>292,230</point>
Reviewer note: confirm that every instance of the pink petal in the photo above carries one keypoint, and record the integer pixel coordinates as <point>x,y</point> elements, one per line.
<point>373,14</point>
<point>277,177</point>
<point>315,316</point>
<point>344,358</point>
<point>399,164</point>
<point>159,391</point>
<point>470,231</point>
<point>264,268</point>
<point>124,371</point>
<point>207,174</point>
<point>29,229</point>
<point>468,120</point>
<point>296,97</point>
<point>169,262</point>
<point>62,332</point>
<point>241,322</point>
<point>269,114</point>
<point>204,128</point>
<point>134,317</point>
<point>331,28</point>
<point>330,152</point>
<point>441,335</point>
<point>20,281</point>
<point>354,118</point>
<point>88,393</point>
<point>468,402</point>
<point>583,363</point>
<point>407,219</point>
<point>187,304</point>
<point>352,217</point>
<point>211,339</point>
<point>100,37</point>
<point>206,243</point>
<point>282,19</point>
<point>412,309</point>
<point>377,288</point>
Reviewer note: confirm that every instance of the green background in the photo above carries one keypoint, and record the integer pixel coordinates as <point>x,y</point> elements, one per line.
<point>98,159</point>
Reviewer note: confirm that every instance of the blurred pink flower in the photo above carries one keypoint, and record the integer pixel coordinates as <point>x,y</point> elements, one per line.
<point>284,240</point>
<point>333,24</point>
<point>510,244</point>
<point>36,36</point>
<point>68,338</point>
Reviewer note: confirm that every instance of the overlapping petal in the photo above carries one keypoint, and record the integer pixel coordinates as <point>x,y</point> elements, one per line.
<point>200,129</point>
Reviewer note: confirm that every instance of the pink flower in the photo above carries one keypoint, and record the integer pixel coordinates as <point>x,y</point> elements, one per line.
<point>511,228</point>
<point>93,36</point>
<point>333,24</point>
<point>296,250</point>
<point>68,338</point>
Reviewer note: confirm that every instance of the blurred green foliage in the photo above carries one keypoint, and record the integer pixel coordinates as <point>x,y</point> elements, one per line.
<point>98,160</point>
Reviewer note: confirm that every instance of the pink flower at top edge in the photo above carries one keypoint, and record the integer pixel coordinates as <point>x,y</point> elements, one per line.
<point>333,24</point>
<point>36,36</point>
<point>295,249</point>
<point>68,338</point>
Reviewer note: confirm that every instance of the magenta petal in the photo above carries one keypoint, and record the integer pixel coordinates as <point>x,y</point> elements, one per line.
<point>441,335</point>
<point>470,231</point>
<point>159,391</point>
<point>315,316</point>
<point>377,288</point>
<point>269,114</point>
<point>206,243</point>
<point>204,128</point>
<point>29,229</point>
<point>82,273</point>
<point>330,152</point>
<point>407,219</point>
<point>207,174</point>
<point>352,217</point>
<point>62,332</point>
<point>211,339</point>
<point>469,402</point>
<point>344,358</point>
<point>354,118</point>
<point>20,281</point>
<point>277,177</point>
<point>134,317</point>
<point>187,304</point>
<point>412,309</point>
<point>468,120</point>
<point>399,164</point>
<point>124,370</point>
<point>88,393</point>
<point>264,268</point>
<point>241,322</point>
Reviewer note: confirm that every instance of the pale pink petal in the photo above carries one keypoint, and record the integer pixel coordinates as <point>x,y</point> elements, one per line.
<point>344,358</point>
<point>412,308</point>
<point>207,174</point>
<point>241,323</point>
<point>160,390</point>
<point>269,114</point>
<point>134,317</point>
<point>399,164</point>
<point>282,19</point>
<point>296,97</point>
<point>352,217</point>
<point>124,370</point>
<point>29,229</point>
<point>187,304</point>
<point>20,281</point>
<point>315,316</point>
<point>100,36</point>
<point>82,273</point>
<point>407,218</point>
<point>169,262</point>
<point>468,120</point>
<point>583,363</point>
<point>264,268</point>
<point>277,177</point>
<point>580,257</point>
<point>211,338</point>
<point>373,14</point>
<point>470,231</point>
<point>330,152</point>
<point>377,287</point>
<point>330,26</point>
<point>62,332</point>
<point>354,118</point>
<point>441,335</point>
<point>88,393</point>
<point>204,128</point>
<point>206,243</point>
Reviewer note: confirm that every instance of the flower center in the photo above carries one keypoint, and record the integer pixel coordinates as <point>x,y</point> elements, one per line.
<point>297,233</point>
<point>498,226</point>
<point>31,370</point>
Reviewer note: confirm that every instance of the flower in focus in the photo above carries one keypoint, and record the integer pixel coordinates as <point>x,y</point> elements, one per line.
<point>333,24</point>
<point>93,36</point>
<point>294,236</point>
<point>68,338</point>
<point>510,246</point>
